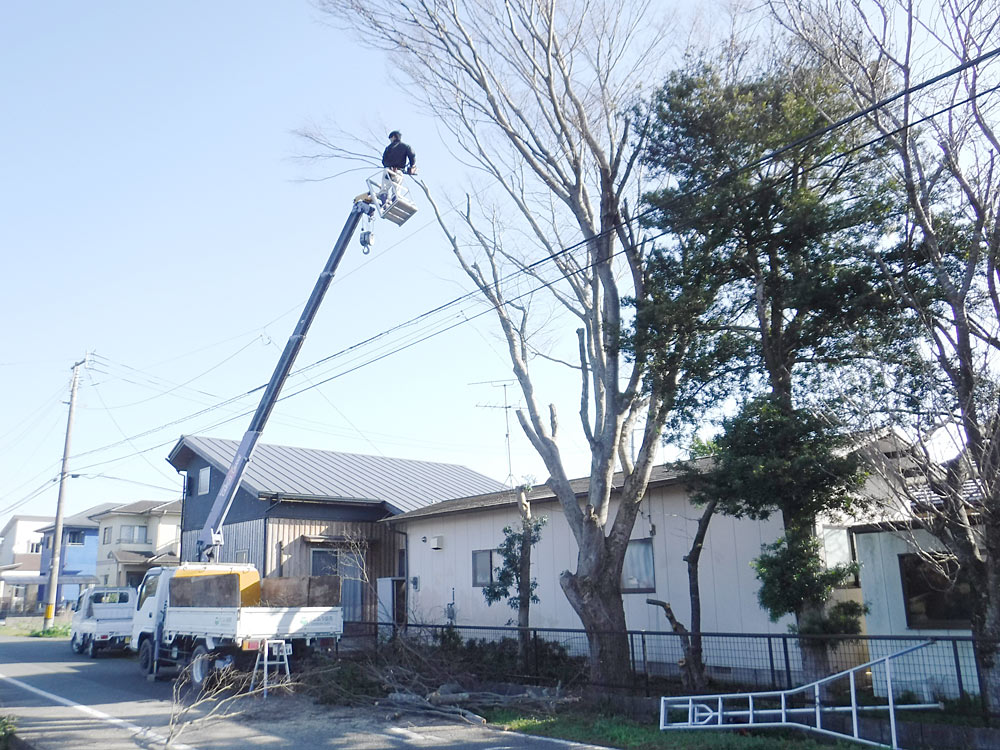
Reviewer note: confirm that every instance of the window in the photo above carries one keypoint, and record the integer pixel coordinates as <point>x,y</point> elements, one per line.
<point>105,580</point>
<point>637,571</point>
<point>482,567</point>
<point>147,590</point>
<point>132,534</point>
<point>110,597</point>
<point>34,548</point>
<point>838,549</point>
<point>204,479</point>
<point>74,537</point>
<point>324,562</point>
<point>106,536</point>
<point>242,556</point>
<point>934,598</point>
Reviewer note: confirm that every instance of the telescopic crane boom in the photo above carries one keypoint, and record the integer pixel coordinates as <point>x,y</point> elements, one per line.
<point>391,203</point>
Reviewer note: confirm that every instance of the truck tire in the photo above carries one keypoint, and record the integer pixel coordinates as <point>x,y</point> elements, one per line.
<point>91,648</point>
<point>201,666</point>
<point>146,657</point>
<point>76,643</point>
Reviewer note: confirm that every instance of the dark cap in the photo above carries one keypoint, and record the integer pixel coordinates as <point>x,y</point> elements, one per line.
<point>395,134</point>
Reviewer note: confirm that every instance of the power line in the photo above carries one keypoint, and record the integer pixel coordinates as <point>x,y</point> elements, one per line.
<point>552,256</point>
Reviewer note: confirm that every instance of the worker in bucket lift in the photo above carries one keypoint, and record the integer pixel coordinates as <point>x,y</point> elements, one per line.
<point>398,159</point>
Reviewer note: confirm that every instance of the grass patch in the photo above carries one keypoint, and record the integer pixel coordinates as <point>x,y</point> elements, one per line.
<point>614,731</point>
<point>56,631</point>
<point>7,729</point>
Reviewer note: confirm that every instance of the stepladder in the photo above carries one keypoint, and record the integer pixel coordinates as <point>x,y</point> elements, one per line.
<point>271,667</point>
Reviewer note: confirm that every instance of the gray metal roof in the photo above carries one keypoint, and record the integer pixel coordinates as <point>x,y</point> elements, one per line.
<point>140,507</point>
<point>307,473</point>
<point>84,519</point>
<point>661,475</point>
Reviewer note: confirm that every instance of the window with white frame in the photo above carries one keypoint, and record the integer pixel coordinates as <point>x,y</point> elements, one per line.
<point>106,536</point>
<point>482,566</point>
<point>74,537</point>
<point>838,550</point>
<point>34,548</point>
<point>637,571</point>
<point>204,479</point>
<point>131,534</point>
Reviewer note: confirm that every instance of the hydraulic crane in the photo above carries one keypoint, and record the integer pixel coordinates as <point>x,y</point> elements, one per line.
<point>390,201</point>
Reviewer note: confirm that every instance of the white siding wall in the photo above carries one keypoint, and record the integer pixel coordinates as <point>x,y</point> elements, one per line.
<point>728,584</point>
<point>930,673</point>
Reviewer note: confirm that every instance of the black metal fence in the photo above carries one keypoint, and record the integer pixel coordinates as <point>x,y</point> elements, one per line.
<point>945,669</point>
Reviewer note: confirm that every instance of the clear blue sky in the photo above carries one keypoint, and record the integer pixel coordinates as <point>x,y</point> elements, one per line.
<point>152,211</point>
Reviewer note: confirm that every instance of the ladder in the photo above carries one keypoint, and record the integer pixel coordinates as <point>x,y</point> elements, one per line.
<point>800,707</point>
<point>272,654</point>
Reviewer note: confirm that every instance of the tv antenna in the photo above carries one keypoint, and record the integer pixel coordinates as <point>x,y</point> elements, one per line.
<point>505,384</point>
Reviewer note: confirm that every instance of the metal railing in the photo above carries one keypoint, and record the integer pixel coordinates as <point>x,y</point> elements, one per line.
<point>943,669</point>
<point>803,707</point>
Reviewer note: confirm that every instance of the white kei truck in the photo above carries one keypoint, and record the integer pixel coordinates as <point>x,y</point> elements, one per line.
<point>102,619</point>
<point>209,615</point>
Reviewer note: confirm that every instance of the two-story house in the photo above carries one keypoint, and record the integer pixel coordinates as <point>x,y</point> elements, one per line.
<point>20,562</point>
<point>135,537</point>
<point>78,554</point>
<point>301,512</point>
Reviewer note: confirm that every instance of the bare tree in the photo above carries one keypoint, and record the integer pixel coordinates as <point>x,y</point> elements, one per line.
<point>541,99</point>
<point>944,147</point>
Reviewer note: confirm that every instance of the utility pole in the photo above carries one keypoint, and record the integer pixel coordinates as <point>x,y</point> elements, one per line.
<point>56,562</point>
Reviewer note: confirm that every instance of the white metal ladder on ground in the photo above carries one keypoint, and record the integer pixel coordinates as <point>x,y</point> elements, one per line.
<point>273,653</point>
<point>774,709</point>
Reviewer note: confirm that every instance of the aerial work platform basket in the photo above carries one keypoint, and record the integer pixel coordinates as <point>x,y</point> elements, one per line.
<point>391,198</point>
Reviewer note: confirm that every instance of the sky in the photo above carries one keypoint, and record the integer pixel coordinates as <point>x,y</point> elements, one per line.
<point>158,219</point>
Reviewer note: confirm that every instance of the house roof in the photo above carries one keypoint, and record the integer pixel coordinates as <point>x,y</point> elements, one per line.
<point>661,475</point>
<point>82,520</point>
<point>309,474</point>
<point>141,508</point>
<point>14,519</point>
<point>130,557</point>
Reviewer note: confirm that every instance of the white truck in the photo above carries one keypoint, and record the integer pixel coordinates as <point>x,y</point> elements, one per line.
<point>102,619</point>
<point>209,615</point>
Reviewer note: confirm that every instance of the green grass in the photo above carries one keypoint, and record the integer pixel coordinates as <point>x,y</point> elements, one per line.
<point>7,728</point>
<point>56,631</point>
<point>614,731</point>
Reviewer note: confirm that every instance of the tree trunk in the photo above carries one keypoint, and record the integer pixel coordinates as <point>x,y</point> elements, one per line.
<point>524,583</point>
<point>985,578</point>
<point>597,600</point>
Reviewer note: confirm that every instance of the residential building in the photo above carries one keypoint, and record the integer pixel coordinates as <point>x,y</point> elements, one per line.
<point>301,512</point>
<point>906,596</point>
<point>135,537</point>
<point>20,562</point>
<point>452,556</point>
<point>78,554</point>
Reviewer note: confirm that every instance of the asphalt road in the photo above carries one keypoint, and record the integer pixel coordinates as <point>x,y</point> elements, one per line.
<point>61,700</point>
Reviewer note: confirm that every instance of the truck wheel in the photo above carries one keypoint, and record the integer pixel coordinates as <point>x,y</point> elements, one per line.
<point>201,666</point>
<point>91,648</point>
<point>76,643</point>
<point>146,657</point>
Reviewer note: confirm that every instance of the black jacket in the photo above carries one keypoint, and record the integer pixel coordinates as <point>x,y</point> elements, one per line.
<point>396,155</point>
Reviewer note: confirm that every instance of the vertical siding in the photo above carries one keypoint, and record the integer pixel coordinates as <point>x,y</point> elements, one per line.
<point>380,547</point>
<point>728,583</point>
<point>245,535</point>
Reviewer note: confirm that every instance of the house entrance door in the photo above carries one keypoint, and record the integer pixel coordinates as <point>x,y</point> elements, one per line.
<point>352,587</point>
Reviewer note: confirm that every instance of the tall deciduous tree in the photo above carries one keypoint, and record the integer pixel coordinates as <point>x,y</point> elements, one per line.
<point>539,97</point>
<point>945,154</point>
